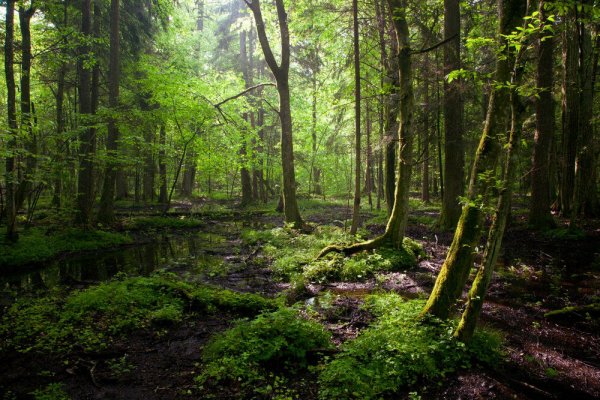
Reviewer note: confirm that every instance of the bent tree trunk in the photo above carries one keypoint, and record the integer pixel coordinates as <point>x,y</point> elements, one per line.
<point>281,73</point>
<point>457,266</point>
<point>396,226</point>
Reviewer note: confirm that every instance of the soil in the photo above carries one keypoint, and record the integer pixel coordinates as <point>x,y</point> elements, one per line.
<point>545,358</point>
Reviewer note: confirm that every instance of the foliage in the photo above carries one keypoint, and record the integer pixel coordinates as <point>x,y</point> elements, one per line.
<point>398,351</point>
<point>54,391</point>
<point>275,340</point>
<point>36,244</point>
<point>93,318</point>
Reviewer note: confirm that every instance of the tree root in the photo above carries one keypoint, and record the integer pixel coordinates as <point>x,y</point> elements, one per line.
<point>355,248</point>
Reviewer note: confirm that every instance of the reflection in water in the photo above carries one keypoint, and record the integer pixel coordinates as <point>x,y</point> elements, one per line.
<point>180,253</point>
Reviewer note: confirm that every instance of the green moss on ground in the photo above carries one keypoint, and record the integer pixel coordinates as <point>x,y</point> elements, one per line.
<point>94,317</point>
<point>157,223</point>
<point>36,244</point>
<point>399,351</point>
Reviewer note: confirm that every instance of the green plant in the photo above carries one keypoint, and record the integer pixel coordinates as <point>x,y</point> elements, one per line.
<point>246,352</point>
<point>54,391</point>
<point>396,352</point>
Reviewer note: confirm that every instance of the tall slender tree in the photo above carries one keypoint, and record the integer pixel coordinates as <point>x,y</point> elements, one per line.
<point>281,73</point>
<point>106,212</point>
<point>453,116</point>
<point>357,162</point>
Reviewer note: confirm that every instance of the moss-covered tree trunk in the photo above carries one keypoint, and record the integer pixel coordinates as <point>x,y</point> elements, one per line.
<point>396,226</point>
<point>455,270</point>
<point>476,296</point>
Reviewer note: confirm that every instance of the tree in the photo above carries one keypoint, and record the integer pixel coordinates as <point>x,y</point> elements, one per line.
<point>281,73</point>
<point>456,268</point>
<point>106,212</point>
<point>396,225</point>
<point>453,115</point>
<point>357,162</point>
<point>85,186</point>
<point>11,166</point>
<point>539,209</point>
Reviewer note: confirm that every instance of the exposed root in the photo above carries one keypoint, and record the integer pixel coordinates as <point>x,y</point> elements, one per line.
<point>354,248</point>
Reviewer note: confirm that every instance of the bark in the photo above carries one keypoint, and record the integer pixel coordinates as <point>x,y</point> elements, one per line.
<point>426,132</point>
<point>539,209</point>
<point>60,123</point>
<point>453,115</point>
<point>391,125</point>
<point>281,73</point>
<point>357,163</point>
<point>11,166</point>
<point>459,261</point>
<point>316,171</point>
<point>30,140</point>
<point>246,180</point>
<point>107,201</point>
<point>585,197</point>
<point>162,165</point>
<point>476,296</point>
<point>85,184</point>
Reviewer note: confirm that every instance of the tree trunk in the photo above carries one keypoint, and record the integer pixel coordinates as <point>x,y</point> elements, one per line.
<point>316,171</point>
<point>453,114</point>
<point>281,73</point>
<point>585,196</point>
<point>107,201</point>
<point>26,183</point>
<point>246,179</point>
<point>11,165</point>
<point>162,165</point>
<point>539,208</point>
<point>459,260</point>
<point>391,126</point>
<point>476,296</point>
<point>357,163</point>
<point>85,180</point>
<point>426,133</point>
<point>396,226</point>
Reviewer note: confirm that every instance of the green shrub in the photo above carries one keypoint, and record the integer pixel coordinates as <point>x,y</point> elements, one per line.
<point>396,352</point>
<point>245,353</point>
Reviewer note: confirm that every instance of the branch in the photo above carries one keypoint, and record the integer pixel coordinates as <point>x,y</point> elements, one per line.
<point>435,46</point>
<point>243,93</point>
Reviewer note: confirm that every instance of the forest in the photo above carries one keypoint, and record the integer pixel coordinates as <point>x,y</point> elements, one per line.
<point>300,199</point>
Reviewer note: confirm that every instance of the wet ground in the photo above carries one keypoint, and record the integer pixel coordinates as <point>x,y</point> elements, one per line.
<point>545,358</point>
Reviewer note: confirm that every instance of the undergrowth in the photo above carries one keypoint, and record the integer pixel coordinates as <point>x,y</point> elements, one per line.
<point>37,244</point>
<point>255,356</point>
<point>398,351</point>
<point>293,254</point>
<point>92,318</point>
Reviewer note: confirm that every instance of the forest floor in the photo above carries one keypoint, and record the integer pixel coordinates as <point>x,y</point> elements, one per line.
<point>545,357</point>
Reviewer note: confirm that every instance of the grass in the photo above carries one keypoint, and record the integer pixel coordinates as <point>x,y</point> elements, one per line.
<point>36,244</point>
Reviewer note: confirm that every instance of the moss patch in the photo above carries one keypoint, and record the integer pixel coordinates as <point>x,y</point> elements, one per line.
<point>36,245</point>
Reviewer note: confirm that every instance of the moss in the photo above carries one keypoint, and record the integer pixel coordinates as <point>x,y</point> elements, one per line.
<point>93,318</point>
<point>36,245</point>
<point>399,351</point>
